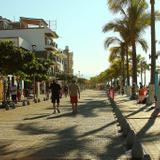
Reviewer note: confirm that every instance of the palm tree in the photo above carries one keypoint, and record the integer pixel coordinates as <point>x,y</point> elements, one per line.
<point>136,19</point>
<point>153,46</point>
<point>120,27</point>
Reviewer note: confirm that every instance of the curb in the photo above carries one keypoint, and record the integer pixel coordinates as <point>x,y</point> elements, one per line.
<point>134,149</point>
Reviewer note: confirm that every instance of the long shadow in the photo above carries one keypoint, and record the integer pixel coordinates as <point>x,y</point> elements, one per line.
<point>68,114</point>
<point>142,134</point>
<point>123,100</point>
<point>67,142</point>
<point>97,130</point>
<point>150,137</point>
<point>4,149</point>
<point>114,150</point>
<point>37,117</point>
<point>149,124</point>
<point>62,147</point>
<point>86,110</point>
<point>137,111</point>
<point>33,129</point>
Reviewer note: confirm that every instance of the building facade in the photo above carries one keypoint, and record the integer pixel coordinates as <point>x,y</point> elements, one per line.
<point>68,61</point>
<point>33,34</point>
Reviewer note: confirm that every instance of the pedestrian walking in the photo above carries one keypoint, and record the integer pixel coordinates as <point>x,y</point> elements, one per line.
<point>55,95</point>
<point>14,93</point>
<point>74,93</point>
<point>111,92</point>
<point>65,90</point>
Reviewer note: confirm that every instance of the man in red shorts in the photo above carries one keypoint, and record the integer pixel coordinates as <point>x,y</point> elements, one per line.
<point>74,95</point>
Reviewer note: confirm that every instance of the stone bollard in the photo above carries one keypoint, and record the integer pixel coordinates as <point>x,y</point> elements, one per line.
<point>137,151</point>
<point>12,105</point>
<point>35,101</point>
<point>121,121</point>
<point>6,105</point>
<point>28,102</point>
<point>125,129</point>
<point>23,103</point>
<point>147,157</point>
<point>130,140</point>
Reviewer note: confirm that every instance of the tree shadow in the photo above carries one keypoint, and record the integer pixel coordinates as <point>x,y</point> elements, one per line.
<point>86,110</point>
<point>149,124</point>
<point>68,144</point>
<point>142,135</point>
<point>33,129</point>
<point>114,150</point>
<point>37,117</point>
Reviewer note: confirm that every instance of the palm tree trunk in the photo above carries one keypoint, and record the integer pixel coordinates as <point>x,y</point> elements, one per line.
<point>141,72</point>
<point>127,66</point>
<point>153,46</point>
<point>122,57</point>
<point>144,76</point>
<point>123,72</point>
<point>134,71</point>
<point>134,64</point>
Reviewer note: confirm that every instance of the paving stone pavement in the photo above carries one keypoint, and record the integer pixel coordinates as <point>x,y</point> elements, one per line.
<point>33,132</point>
<point>144,121</point>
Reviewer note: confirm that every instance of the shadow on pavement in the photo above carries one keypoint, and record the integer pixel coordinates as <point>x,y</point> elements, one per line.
<point>142,134</point>
<point>67,143</point>
<point>148,125</point>
<point>114,150</point>
<point>37,117</point>
<point>33,129</point>
<point>86,109</point>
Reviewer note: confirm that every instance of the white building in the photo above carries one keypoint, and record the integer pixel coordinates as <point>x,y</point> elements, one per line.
<point>34,34</point>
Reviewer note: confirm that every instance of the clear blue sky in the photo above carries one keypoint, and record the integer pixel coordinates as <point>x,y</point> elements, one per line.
<point>79,25</point>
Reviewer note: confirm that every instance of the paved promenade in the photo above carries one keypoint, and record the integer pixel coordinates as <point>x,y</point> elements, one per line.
<point>144,121</point>
<point>33,132</point>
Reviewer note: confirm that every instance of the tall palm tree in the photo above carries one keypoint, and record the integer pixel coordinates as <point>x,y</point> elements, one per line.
<point>117,51</point>
<point>153,46</point>
<point>136,19</point>
<point>120,27</point>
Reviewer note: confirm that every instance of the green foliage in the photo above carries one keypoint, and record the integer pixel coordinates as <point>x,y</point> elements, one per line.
<point>22,63</point>
<point>12,59</point>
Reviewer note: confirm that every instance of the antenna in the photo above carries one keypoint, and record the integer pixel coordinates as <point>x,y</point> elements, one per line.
<point>52,24</point>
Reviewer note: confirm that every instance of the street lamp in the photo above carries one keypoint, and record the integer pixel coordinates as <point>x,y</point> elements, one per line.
<point>34,79</point>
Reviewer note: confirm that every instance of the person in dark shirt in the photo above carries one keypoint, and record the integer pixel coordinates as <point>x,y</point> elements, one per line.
<point>55,97</point>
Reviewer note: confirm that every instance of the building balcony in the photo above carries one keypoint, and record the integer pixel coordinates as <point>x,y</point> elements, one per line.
<point>51,46</point>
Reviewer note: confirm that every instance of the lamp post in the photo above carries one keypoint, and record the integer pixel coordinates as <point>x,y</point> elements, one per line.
<point>34,79</point>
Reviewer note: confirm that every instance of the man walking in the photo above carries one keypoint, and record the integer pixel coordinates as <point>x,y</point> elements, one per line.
<point>74,93</point>
<point>55,97</point>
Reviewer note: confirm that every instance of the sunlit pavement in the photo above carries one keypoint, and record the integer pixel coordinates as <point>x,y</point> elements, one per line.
<point>33,132</point>
<point>145,121</point>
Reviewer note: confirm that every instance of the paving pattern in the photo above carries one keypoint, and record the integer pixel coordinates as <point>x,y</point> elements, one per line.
<point>144,121</point>
<point>33,132</point>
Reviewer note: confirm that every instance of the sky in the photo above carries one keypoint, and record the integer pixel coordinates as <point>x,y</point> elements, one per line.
<point>79,26</point>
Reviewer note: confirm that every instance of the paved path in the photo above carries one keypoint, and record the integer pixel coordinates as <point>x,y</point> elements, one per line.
<point>144,121</point>
<point>33,132</point>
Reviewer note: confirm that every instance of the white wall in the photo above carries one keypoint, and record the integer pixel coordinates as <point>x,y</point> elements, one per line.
<point>34,36</point>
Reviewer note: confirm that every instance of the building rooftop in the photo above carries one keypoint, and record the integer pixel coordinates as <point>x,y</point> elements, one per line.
<point>33,21</point>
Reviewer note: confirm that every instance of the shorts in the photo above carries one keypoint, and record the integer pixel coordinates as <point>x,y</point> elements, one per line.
<point>55,99</point>
<point>14,97</point>
<point>74,99</point>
